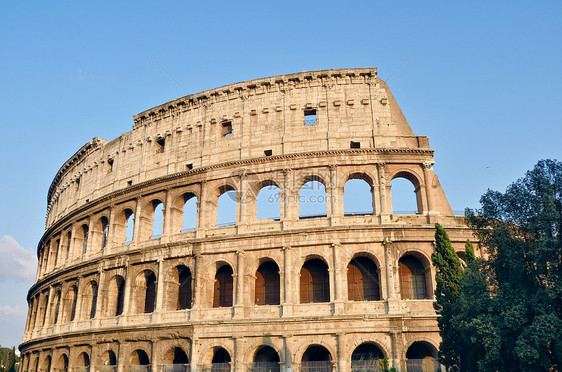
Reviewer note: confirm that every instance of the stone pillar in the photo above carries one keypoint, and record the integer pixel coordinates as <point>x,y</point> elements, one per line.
<point>101,288</point>
<point>128,291</point>
<point>384,190</point>
<point>48,308</point>
<point>137,222</point>
<point>336,280</point>
<point>197,284</point>
<point>160,290</point>
<point>335,204</point>
<point>391,272</point>
<point>288,287</point>
<point>291,198</point>
<point>167,218</point>
<point>239,285</point>
<point>428,178</point>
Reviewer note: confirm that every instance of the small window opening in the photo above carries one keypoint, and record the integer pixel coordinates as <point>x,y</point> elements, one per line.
<point>226,129</point>
<point>189,166</point>
<point>129,183</point>
<point>109,165</point>
<point>268,152</point>
<point>160,144</point>
<point>77,184</point>
<point>310,117</point>
<point>355,145</point>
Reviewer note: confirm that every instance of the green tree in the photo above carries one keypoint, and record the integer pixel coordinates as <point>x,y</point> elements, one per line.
<point>509,307</point>
<point>448,275</point>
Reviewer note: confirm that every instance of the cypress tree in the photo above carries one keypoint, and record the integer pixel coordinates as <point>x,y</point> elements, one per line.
<point>447,277</point>
<point>469,252</point>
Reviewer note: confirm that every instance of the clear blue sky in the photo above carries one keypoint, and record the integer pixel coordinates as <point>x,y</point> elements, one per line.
<point>482,79</point>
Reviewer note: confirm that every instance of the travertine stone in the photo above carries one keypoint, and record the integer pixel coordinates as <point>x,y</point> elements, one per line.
<point>183,149</point>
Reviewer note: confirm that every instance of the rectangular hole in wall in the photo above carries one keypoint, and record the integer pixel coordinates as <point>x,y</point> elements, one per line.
<point>310,117</point>
<point>189,166</point>
<point>160,145</point>
<point>129,183</point>
<point>355,145</point>
<point>268,152</point>
<point>110,165</point>
<point>226,129</point>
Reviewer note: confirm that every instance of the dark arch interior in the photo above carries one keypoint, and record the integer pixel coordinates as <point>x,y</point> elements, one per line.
<point>184,290</point>
<point>314,282</point>
<point>421,350</point>
<point>223,287</point>
<point>48,364</point>
<point>150,295</point>
<point>120,295</point>
<point>139,357</point>
<point>267,284</point>
<point>221,356</point>
<point>180,357</point>
<point>84,359</point>
<point>63,363</point>
<point>412,278</point>
<point>266,354</point>
<point>316,353</point>
<point>363,280</point>
<point>367,351</point>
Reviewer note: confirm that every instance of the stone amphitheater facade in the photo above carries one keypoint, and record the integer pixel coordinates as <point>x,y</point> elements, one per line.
<point>293,293</point>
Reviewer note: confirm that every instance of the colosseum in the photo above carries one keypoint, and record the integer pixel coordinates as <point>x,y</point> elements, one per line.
<point>189,243</point>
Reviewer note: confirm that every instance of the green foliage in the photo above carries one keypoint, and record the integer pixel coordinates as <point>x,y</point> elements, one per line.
<point>508,312</point>
<point>448,275</point>
<point>469,251</point>
<point>7,359</point>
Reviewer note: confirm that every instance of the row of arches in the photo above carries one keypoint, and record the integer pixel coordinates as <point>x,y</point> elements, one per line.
<point>316,358</point>
<point>264,200</point>
<point>363,280</point>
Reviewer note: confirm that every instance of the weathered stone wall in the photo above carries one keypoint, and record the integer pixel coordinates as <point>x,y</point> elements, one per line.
<point>179,150</point>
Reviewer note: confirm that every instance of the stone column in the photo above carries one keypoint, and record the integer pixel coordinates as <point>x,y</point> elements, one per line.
<point>239,285</point>
<point>288,287</point>
<point>197,284</point>
<point>335,204</point>
<point>336,279</point>
<point>128,290</point>
<point>137,222</point>
<point>384,190</point>
<point>167,218</point>
<point>160,290</point>
<point>391,272</point>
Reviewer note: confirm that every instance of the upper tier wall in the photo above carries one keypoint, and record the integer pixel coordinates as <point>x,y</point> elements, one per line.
<point>266,117</point>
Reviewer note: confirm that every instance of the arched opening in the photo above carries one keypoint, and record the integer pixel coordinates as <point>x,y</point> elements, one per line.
<point>139,361</point>
<point>185,289</point>
<point>357,197</point>
<point>157,219</point>
<point>189,218</point>
<point>83,362</point>
<point>413,279</point>
<point>56,249</point>
<point>85,231</point>
<point>145,292</point>
<point>68,243</point>
<point>226,206</point>
<point>267,287</point>
<point>422,356</point>
<point>266,359</point>
<point>312,200</point>
<point>363,280</point>
<point>316,359</point>
<point>221,361</point>
<point>150,294</point>
<point>268,202</point>
<point>405,194</point>
<point>69,304</point>
<point>104,231</point>
<point>62,364</point>
<point>314,282</point>
<point>47,364</point>
<point>462,257</point>
<point>57,306</point>
<point>176,361</point>
<point>223,287</point>
<point>366,357</point>
<point>44,310</point>
<point>92,298</point>
<point>109,362</point>
<point>115,296</point>
<point>129,217</point>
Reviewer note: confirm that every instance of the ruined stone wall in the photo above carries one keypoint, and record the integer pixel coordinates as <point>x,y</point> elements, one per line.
<point>242,138</point>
